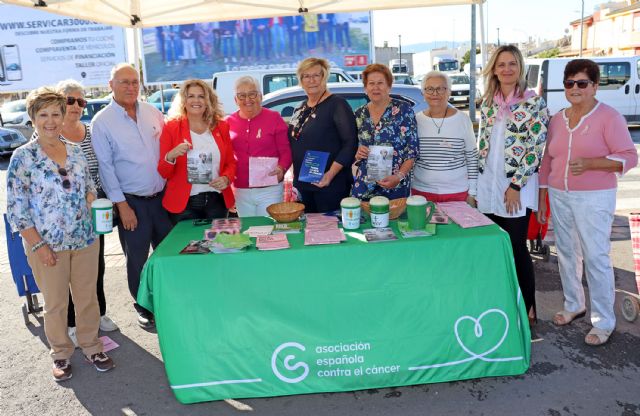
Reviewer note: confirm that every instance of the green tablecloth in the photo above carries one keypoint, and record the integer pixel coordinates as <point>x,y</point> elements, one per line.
<point>340,317</point>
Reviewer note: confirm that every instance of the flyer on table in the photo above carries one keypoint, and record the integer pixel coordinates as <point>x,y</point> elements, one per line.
<point>39,48</point>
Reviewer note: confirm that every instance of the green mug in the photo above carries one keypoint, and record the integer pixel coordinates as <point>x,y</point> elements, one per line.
<point>419,211</point>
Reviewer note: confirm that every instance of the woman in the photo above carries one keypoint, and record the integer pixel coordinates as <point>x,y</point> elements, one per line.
<point>49,190</point>
<point>389,125</point>
<point>195,127</point>
<point>257,132</point>
<point>323,122</point>
<point>447,169</point>
<point>77,133</point>
<point>589,146</point>
<point>513,130</point>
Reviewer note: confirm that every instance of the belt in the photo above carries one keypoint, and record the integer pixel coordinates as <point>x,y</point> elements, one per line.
<point>157,194</point>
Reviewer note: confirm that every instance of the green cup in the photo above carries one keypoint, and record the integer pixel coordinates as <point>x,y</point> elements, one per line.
<point>419,212</point>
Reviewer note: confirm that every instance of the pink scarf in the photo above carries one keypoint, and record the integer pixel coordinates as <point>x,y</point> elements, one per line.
<point>504,105</point>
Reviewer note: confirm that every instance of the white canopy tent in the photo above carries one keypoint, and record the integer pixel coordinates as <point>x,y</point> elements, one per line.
<point>150,13</point>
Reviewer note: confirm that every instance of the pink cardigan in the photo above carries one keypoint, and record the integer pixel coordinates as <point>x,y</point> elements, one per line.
<point>601,133</point>
<point>263,136</point>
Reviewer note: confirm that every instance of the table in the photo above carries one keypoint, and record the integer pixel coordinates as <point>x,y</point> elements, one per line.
<point>337,317</point>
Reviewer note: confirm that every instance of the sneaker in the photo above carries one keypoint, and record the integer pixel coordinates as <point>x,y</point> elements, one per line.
<point>61,370</point>
<point>107,324</point>
<point>101,361</point>
<point>72,334</point>
<point>146,321</point>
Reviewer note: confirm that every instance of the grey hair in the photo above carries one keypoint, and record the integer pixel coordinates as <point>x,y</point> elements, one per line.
<point>118,67</point>
<point>69,86</point>
<point>436,74</point>
<point>247,80</point>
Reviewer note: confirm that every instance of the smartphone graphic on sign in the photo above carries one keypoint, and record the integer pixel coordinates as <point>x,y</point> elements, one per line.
<point>2,76</point>
<point>12,65</point>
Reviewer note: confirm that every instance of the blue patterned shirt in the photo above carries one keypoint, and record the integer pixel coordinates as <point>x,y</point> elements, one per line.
<point>36,197</point>
<point>397,127</point>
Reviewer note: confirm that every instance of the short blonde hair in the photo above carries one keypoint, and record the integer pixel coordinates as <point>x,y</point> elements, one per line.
<point>212,114</point>
<point>309,63</point>
<point>44,97</point>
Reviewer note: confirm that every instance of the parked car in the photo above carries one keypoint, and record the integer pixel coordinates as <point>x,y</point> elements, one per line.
<point>619,84</point>
<point>460,87</point>
<point>270,80</point>
<point>15,112</point>
<point>403,79</point>
<point>286,100</point>
<point>10,140</point>
<point>92,108</point>
<point>167,95</point>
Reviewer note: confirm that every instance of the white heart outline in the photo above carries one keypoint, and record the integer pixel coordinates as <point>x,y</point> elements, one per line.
<point>478,331</point>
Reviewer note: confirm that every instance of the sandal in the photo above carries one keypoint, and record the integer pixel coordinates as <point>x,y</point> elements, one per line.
<point>563,318</point>
<point>598,337</point>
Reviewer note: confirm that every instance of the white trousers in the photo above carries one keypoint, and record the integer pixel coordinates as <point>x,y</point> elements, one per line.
<point>252,202</point>
<point>582,223</point>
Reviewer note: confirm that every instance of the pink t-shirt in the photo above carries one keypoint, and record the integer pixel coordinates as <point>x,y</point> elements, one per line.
<point>262,136</point>
<point>601,133</point>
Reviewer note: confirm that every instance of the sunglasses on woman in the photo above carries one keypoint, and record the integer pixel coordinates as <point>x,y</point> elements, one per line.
<point>66,183</point>
<point>582,83</point>
<point>81,101</point>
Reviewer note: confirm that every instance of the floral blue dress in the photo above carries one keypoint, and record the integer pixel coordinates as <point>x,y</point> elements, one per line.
<point>36,197</point>
<point>397,128</point>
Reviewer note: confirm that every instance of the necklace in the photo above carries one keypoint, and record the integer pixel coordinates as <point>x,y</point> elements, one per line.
<point>443,118</point>
<point>305,113</point>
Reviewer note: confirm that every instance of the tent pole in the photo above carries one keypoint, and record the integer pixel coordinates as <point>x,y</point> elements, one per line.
<point>472,64</point>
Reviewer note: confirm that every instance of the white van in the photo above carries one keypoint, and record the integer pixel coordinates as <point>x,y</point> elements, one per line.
<point>619,83</point>
<point>270,80</point>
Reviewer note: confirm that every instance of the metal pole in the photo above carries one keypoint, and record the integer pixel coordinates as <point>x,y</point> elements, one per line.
<point>581,27</point>
<point>498,35</point>
<point>472,63</point>
<point>400,52</point>
<point>483,39</point>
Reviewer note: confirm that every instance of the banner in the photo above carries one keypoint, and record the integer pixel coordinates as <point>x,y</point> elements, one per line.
<point>179,52</point>
<point>39,48</point>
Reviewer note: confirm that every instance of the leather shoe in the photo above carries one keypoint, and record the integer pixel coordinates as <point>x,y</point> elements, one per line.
<point>146,321</point>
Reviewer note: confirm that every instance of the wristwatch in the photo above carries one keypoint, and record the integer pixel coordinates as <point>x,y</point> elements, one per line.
<point>515,187</point>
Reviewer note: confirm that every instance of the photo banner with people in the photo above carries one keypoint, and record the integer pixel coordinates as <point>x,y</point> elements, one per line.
<point>179,52</point>
<point>39,48</point>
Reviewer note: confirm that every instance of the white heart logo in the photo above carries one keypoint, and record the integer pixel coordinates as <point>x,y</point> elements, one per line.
<point>477,328</point>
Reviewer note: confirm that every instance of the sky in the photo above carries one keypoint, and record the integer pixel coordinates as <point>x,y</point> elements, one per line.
<point>517,20</point>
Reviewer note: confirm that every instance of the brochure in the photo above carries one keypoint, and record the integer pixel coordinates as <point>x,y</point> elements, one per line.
<point>259,170</point>
<point>379,162</point>
<point>313,166</point>
<point>406,232</point>
<point>287,228</point>
<point>376,235</point>
<point>464,215</point>
<point>199,167</point>
<point>196,247</point>
<point>323,236</point>
<point>272,242</point>
<point>439,217</point>
<point>258,230</point>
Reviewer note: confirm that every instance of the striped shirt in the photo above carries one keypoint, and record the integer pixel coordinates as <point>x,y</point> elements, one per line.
<point>448,161</point>
<point>92,160</point>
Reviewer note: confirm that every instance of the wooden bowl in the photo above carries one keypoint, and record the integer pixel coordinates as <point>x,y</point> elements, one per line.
<point>285,211</point>
<point>396,207</point>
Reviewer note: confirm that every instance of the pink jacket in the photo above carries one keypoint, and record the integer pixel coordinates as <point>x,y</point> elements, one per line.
<point>601,133</point>
<point>263,136</point>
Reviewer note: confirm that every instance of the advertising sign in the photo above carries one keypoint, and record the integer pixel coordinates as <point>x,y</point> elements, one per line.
<point>179,52</point>
<point>39,48</point>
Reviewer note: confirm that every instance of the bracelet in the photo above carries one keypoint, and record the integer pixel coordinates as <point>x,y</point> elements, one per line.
<point>515,187</point>
<point>37,245</point>
<point>400,174</point>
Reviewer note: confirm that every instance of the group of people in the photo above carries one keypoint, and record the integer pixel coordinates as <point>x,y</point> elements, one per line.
<point>250,40</point>
<point>144,168</point>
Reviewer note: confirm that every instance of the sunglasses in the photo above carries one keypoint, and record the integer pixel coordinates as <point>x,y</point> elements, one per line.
<point>81,101</point>
<point>66,183</point>
<point>582,83</point>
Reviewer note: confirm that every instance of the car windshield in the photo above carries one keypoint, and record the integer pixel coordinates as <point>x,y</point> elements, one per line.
<point>14,107</point>
<point>168,96</point>
<point>460,79</point>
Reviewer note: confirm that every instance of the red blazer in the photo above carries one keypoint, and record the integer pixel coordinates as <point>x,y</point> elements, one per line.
<point>178,188</point>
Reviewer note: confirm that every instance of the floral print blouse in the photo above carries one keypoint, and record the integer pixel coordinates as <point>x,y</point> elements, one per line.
<point>397,128</point>
<point>36,197</point>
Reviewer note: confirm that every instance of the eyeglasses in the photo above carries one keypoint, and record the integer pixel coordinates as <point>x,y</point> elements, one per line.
<point>66,183</point>
<point>81,101</point>
<point>432,91</point>
<point>243,96</point>
<point>128,83</point>
<point>315,77</point>
<point>581,83</point>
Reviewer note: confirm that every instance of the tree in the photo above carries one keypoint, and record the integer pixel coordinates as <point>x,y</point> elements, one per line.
<point>467,56</point>
<point>549,53</point>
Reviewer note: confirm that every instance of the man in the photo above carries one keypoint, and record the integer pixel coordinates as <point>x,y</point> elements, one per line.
<point>125,136</point>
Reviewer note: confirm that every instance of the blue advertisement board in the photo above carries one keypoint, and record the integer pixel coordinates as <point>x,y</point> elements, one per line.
<point>178,52</point>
